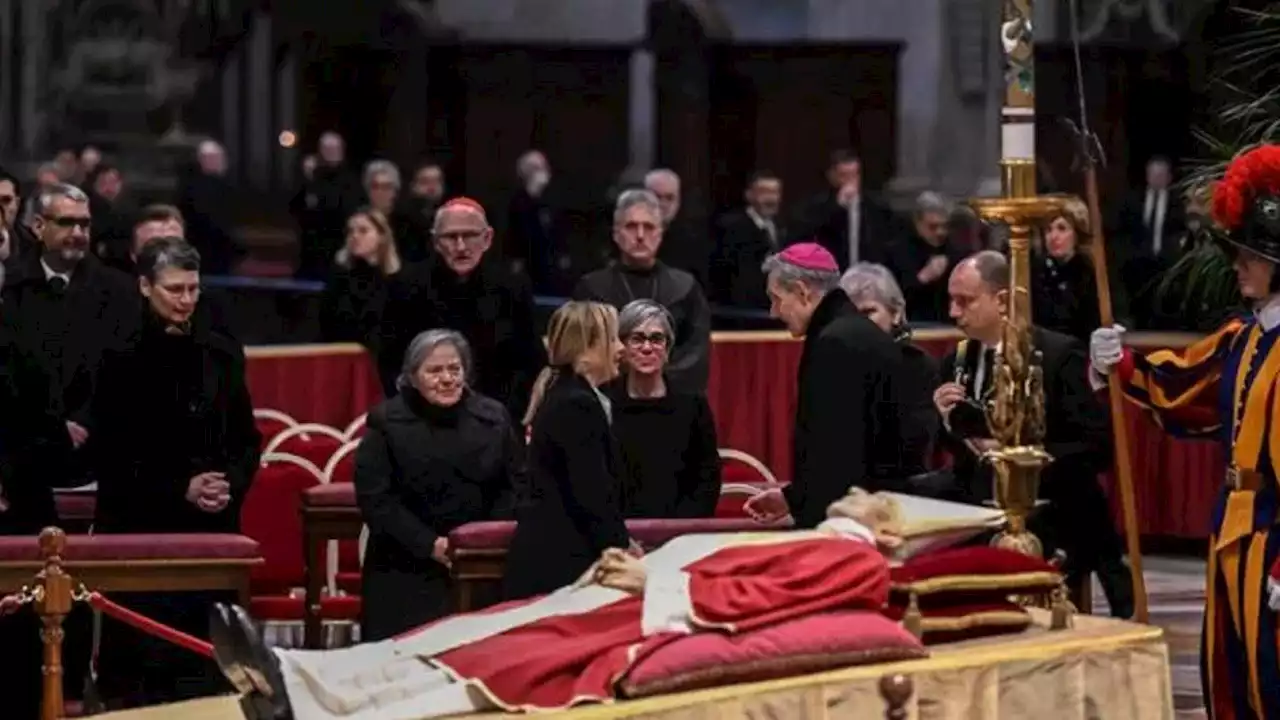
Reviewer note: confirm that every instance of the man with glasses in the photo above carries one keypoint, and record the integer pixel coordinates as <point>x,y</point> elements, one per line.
<point>62,309</point>
<point>461,288</point>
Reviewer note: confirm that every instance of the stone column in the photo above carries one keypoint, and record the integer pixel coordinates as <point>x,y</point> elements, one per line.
<point>6,86</point>
<point>641,109</point>
<point>260,134</point>
<point>34,73</point>
<point>232,95</point>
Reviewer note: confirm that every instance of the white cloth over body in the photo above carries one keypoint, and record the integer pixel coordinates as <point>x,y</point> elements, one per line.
<point>394,680</point>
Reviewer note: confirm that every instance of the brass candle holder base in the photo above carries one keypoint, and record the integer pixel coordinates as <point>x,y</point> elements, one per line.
<point>1016,489</point>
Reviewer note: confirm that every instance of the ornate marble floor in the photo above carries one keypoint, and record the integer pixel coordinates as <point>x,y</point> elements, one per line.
<point>1175,587</point>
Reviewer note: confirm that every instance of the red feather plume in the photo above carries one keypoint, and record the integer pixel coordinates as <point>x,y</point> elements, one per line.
<point>1251,174</point>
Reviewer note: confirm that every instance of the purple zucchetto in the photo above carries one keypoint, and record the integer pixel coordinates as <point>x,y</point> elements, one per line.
<point>810,256</point>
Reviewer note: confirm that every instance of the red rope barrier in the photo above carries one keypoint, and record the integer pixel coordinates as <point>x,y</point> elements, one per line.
<point>149,626</point>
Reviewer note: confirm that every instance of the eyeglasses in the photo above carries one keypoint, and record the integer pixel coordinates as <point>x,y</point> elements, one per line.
<point>656,339</point>
<point>68,222</point>
<point>460,237</point>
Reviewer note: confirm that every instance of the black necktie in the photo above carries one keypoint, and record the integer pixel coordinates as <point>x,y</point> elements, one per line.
<point>58,284</point>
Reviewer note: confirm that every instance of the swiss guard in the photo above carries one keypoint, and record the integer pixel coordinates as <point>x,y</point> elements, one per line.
<point>1228,385</point>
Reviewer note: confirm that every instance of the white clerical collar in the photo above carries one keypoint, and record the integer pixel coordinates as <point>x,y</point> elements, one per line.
<point>848,527</point>
<point>758,219</point>
<point>50,273</point>
<point>1269,314</point>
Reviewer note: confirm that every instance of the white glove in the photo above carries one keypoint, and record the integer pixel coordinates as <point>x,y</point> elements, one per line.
<point>1106,348</point>
<point>1273,594</point>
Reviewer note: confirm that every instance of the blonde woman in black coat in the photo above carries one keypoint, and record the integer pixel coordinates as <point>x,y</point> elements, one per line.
<point>574,511</point>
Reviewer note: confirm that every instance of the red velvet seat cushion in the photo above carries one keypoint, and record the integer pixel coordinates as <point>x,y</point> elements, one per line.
<point>83,548</point>
<point>650,533</point>
<point>969,570</point>
<point>965,621</point>
<point>76,506</point>
<point>270,516</point>
<point>334,495</point>
<point>806,645</point>
<point>490,535</point>
<point>283,608</point>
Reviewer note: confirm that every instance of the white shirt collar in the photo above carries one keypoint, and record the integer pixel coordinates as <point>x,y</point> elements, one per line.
<point>759,220</point>
<point>849,528</point>
<point>1269,314</point>
<point>50,273</point>
<point>604,403</point>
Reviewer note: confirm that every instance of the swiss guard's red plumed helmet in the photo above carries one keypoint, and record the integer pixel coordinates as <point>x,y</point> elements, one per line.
<point>1246,203</point>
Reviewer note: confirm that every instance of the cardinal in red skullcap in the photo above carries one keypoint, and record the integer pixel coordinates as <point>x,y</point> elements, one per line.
<point>848,414</point>
<point>1225,386</point>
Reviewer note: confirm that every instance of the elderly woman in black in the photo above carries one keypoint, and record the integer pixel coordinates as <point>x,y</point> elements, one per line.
<point>575,508</point>
<point>434,457</point>
<point>874,291</point>
<point>668,438</point>
<point>176,452</point>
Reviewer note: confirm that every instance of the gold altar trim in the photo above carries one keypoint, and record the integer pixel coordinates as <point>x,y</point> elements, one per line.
<point>963,583</point>
<point>993,618</point>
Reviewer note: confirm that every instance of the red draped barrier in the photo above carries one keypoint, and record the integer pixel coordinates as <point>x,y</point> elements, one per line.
<point>327,384</point>
<point>146,625</point>
<point>752,393</point>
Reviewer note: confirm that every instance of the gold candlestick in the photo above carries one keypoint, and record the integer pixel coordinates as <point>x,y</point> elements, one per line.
<point>1016,413</point>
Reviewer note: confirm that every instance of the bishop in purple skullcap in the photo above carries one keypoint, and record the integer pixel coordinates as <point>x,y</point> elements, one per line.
<point>810,256</point>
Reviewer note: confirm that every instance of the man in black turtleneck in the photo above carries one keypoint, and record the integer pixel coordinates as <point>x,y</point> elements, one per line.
<point>637,230</point>
<point>460,288</point>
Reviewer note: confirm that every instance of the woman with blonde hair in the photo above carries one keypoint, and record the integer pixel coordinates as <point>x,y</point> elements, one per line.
<point>574,511</point>
<point>355,295</point>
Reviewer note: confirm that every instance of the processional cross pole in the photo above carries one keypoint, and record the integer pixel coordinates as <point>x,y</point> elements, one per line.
<point>1089,156</point>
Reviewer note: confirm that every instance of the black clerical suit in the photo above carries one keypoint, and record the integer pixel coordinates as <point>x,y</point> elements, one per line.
<point>736,277</point>
<point>826,221</point>
<point>574,511</point>
<point>60,330</point>
<point>492,308</point>
<point>690,365</point>
<point>421,471</point>
<point>1077,518</point>
<point>170,405</point>
<point>848,410</point>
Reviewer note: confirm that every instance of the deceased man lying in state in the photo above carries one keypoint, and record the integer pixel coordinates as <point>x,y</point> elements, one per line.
<point>570,647</point>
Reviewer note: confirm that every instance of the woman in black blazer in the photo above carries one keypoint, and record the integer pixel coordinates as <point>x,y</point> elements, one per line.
<point>574,511</point>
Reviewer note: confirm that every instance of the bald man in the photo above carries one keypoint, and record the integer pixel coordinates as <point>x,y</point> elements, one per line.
<point>462,288</point>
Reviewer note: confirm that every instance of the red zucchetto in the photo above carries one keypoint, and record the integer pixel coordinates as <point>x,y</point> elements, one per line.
<point>810,256</point>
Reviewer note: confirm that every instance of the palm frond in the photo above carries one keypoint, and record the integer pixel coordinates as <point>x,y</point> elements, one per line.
<point>1202,284</point>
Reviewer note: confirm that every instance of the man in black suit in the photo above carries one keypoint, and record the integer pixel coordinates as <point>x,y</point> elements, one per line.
<point>61,310</point>
<point>846,217</point>
<point>848,409</point>
<point>1077,518</point>
<point>746,237</point>
<point>1151,227</point>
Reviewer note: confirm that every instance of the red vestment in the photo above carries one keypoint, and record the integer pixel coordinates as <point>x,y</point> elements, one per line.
<point>561,661</point>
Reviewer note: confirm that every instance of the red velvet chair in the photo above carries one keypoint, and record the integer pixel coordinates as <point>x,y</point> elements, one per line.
<point>270,515</point>
<point>271,423</point>
<point>355,430</point>
<point>734,497</point>
<point>344,555</point>
<point>317,443</point>
<point>737,467</point>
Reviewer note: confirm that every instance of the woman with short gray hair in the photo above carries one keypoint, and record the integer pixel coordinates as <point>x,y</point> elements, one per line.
<point>667,438</point>
<point>875,292</point>
<point>434,457</point>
